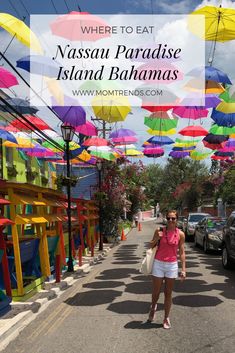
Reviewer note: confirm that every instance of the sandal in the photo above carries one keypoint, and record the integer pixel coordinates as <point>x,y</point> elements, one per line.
<point>166,323</point>
<point>152,313</point>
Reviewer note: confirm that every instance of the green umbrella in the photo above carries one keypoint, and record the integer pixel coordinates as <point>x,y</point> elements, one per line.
<point>229,95</point>
<point>222,130</point>
<point>109,156</point>
<point>160,124</point>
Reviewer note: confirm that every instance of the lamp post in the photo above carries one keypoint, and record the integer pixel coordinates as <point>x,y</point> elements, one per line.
<point>99,168</point>
<point>67,134</point>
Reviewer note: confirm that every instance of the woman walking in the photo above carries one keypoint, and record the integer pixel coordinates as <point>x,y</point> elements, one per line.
<point>165,266</point>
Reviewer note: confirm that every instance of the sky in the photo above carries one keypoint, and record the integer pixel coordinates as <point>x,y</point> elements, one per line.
<point>224,58</point>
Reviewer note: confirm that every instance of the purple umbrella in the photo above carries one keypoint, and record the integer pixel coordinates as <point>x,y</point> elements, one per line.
<point>230,143</point>
<point>122,133</point>
<point>215,139</point>
<point>209,101</point>
<point>178,154</point>
<point>71,113</point>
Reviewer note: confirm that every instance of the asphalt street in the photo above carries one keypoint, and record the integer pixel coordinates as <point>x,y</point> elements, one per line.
<point>106,311</point>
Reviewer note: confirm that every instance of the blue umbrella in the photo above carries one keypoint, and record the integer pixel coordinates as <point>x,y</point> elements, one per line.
<point>211,73</point>
<point>5,135</point>
<point>183,148</point>
<point>21,105</point>
<point>160,140</point>
<point>40,65</point>
<point>223,119</point>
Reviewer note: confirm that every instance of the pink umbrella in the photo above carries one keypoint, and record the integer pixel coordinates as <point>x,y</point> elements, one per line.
<point>164,74</point>
<point>7,79</point>
<point>95,141</point>
<point>87,129</point>
<point>153,150</point>
<point>193,131</point>
<point>124,140</point>
<point>191,112</point>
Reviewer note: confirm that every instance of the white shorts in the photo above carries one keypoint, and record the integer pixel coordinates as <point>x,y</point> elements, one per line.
<point>165,269</point>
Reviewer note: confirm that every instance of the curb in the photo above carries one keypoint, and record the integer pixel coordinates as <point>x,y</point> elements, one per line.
<point>11,327</point>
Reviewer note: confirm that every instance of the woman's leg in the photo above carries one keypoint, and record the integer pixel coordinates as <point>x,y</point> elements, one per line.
<point>156,288</point>
<point>169,283</point>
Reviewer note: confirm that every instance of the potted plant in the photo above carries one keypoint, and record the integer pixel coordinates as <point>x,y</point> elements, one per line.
<point>31,175</point>
<point>44,180</point>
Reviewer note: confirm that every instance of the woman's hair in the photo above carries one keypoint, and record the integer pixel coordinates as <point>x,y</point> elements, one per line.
<point>172,211</point>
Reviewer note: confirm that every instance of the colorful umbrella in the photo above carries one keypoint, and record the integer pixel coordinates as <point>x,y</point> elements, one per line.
<point>122,133</point>
<point>222,119</point>
<point>160,140</point>
<point>156,108</point>
<point>230,142</point>
<point>133,153</point>
<point>55,89</point>
<point>208,87</point>
<point>229,95</point>
<point>226,108</point>
<point>193,131</point>
<point>207,101</point>
<point>71,113</point>
<point>5,135</point>
<point>153,150</point>
<point>160,124</point>
<point>20,31</point>
<point>179,154</point>
<point>7,79</point>
<point>210,73</point>
<point>70,26</point>
<point>124,140</point>
<point>95,141</point>
<point>87,129</point>
<point>219,23</point>
<point>111,109</point>
<point>39,64</point>
<point>161,133</point>
<point>222,130</point>
<point>21,105</point>
<point>21,124</point>
<point>191,112</point>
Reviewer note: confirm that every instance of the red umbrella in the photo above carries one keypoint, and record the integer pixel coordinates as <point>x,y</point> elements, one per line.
<point>193,131</point>
<point>153,108</point>
<point>71,26</point>
<point>22,124</point>
<point>95,141</point>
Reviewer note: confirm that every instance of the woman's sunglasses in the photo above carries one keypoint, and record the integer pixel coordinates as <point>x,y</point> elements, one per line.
<point>171,218</point>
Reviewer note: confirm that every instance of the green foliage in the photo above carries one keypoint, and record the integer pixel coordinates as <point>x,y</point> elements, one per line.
<point>12,171</point>
<point>227,188</point>
<point>31,175</point>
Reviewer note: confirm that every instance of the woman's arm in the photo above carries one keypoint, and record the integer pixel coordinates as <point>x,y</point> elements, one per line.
<point>182,254</point>
<point>155,239</point>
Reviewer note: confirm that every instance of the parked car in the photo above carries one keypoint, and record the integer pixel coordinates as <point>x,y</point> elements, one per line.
<point>192,221</point>
<point>181,222</point>
<point>228,243</point>
<point>208,233</point>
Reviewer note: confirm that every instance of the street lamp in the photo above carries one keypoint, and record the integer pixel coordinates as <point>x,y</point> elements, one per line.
<point>99,168</point>
<point>67,134</point>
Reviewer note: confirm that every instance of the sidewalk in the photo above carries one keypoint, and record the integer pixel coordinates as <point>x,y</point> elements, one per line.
<point>20,314</point>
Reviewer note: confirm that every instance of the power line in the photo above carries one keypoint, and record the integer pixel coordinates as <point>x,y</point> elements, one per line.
<point>24,7</point>
<point>54,6</point>
<point>14,8</point>
<point>66,5</point>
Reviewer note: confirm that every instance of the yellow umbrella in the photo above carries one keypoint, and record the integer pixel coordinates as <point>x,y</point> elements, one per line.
<point>84,156</point>
<point>226,108</point>
<point>161,133</point>
<point>18,29</point>
<point>219,23</point>
<point>185,144</point>
<point>55,89</point>
<point>110,108</point>
<point>197,85</point>
<point>134,153</point>
<point>22,143</point>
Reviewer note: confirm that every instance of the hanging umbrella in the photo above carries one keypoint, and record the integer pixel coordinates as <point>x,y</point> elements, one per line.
<point>133,153</point>
<point>219,158</point>
<point>224,154</point>
<point>69,26</point>
<point>22,125</point>
<point>155,108</point>
<point>5,135</point>
<point>55,89</point>
<point>179,154</point>
<point>162,115</point>
<point>193,131</point>
<point>104,155</point>
<point>215,139</point>
<point>161,133</point>
<point>122,133</point>
<point>208,87</point>
<point>222,119</point>
<point>230,142</point>
<point>110,108</point>
<point>160,140</point>
<point>95,141</point>
<point>71,113</point>
<point>198,155</point>
<point>21,142</point>
<point>185,148</point>
<point>166,98</point>
<point>21,105</point>
<point>160,124</point>
<point>7,79</point>
<point>226,108</point>
<point>213,146</point>
<point>210,73</point>
<point>206,101</point>
<point>124,140</point>
<point>191,112</point>
<point>222,130</point>
<point>229,94</point>
<point>219,23</point>
<point>39,64</point>
<point>87,129</point>
<point>20,31</point>
<point>153,150</point>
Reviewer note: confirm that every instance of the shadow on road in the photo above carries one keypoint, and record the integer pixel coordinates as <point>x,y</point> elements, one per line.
<point>93,298</point>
